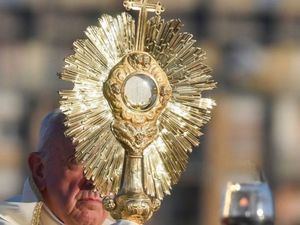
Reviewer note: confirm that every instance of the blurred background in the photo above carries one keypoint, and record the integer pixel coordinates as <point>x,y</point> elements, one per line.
<point>253,47</point>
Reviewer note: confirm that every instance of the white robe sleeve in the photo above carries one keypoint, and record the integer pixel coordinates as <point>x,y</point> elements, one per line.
<point>3,222</point>
<point>16,213</point>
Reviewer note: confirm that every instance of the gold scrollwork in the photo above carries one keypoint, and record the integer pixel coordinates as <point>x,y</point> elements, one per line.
<point>136,129</point>
<point>135,207</point>
<point>133,137</point>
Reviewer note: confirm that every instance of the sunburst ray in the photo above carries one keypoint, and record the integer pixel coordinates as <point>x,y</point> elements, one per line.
<point>88,114</point>
<point>187,111</point>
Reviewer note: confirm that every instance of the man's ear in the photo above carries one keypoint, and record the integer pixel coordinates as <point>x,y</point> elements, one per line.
<point>36,166</point>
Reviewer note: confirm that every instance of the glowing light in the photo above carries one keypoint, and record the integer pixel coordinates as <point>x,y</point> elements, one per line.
<point>260,213</point>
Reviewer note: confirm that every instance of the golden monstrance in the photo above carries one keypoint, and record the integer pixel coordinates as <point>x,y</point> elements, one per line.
<point>136,108</point>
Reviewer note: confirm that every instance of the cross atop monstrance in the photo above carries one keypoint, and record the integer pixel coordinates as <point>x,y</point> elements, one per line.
<point>144,7</point>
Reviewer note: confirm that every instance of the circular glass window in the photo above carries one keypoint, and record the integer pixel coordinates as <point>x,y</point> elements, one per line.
<point>140,92</point>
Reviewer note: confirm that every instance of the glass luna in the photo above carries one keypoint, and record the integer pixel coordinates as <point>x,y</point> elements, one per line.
<point>140,92</point>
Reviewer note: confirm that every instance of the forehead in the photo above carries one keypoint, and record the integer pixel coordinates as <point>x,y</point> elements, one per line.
<point>52,136</point>
<point>62,147</point>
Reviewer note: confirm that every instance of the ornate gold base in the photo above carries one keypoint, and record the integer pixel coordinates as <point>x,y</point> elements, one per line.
<point>134,207</point>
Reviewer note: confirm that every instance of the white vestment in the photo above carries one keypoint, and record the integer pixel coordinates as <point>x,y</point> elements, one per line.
<point>29,211</point>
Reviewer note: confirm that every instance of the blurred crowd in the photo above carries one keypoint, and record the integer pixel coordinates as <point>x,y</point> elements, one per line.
<point>253,47</point>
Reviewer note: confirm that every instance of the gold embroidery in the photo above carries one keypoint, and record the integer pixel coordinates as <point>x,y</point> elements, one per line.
<point>37,214</point>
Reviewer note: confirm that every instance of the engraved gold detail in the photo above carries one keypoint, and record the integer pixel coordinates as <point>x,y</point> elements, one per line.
<point>136,129</point>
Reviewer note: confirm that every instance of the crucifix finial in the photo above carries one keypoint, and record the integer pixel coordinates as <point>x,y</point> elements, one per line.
<point>144,7</point>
